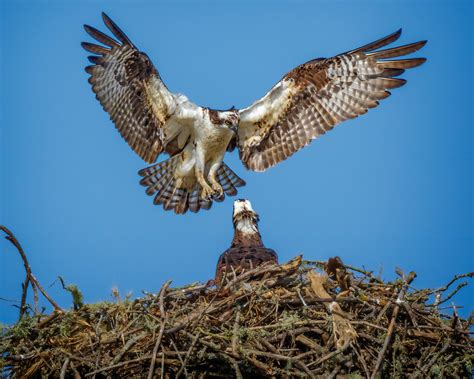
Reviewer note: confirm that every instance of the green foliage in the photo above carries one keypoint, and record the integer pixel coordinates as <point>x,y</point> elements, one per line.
<point>23,328</point>
<point>467,361</point>
<point>77,297</point>
<point>65,327</point>
<point>435,371</point>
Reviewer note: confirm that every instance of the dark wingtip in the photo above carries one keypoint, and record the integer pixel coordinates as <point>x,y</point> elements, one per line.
<point>106,19</point>
<point>116,31</point>
<point>421,60</point>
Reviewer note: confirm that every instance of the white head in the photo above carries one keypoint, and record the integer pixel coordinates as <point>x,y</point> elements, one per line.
<point>242,205</point>
<point>245,218</point>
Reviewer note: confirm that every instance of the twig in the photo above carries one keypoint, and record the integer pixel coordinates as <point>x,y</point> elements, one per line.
<point>281,358</point>
<point>424,370</point>
<point>456,277</point>
<point>162,329</point>
<point>259,270</point>
<point>235,335</point>
<point>391,327</point>
<point>196,317</point>
<point>128,345</point>
<point>366,273</point>
<point>179,357</point>
<point>162,366</point>
<point>386,342</point>
<point>301,297</point>
<point>35,284</point>
<point>42,323</point>
<point>125,363</point>
<point>447,298</point>
<point>188,354</point>
<point>24,292</point>
<point>361,360</point>
<point>9,300</point>
<point>64,369</point>
<point>235,364</point>
<point>332,354</point>
<point>316,300</point>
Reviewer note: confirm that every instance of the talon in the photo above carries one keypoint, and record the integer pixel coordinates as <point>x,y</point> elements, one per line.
<point>206,193</point>
<point>218,191</point>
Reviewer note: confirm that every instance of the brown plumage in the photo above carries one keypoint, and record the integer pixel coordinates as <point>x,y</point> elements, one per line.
<point>130,89</point>
<point>306,103</point>
<point>320,94</point>
<point>247,250</point>
<point>120,77</point>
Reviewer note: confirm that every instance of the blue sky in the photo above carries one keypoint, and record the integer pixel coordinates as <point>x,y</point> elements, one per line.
<point>391,188</point>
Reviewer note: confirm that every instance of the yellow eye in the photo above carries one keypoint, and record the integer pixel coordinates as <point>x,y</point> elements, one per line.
<point>227,122</point>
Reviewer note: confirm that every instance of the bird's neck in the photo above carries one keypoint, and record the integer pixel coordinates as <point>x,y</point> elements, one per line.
<point>246,232</point>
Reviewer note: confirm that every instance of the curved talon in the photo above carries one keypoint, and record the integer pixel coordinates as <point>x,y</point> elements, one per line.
<point>206,193</point>
<point>218,196</point>
<point>218,191</point>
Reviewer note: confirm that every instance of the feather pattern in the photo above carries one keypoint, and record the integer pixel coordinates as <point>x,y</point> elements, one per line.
<point>306,103</point>
<point>169,191</point>
<point>318,95</point>
<point>129,88</point>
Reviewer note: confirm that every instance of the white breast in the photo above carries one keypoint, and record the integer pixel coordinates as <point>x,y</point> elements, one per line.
<point>246,226</point>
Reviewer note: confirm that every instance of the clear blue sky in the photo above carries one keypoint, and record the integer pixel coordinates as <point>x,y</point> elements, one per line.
<point>393,187</point>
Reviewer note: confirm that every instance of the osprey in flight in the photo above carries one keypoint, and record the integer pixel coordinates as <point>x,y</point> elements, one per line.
<point>306,103</point>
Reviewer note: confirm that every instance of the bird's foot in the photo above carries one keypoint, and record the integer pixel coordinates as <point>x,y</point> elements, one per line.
<point>218,193</point>
<point>206,192</point>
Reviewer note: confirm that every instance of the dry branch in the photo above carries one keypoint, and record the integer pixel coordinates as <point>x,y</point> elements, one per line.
<point>30,278</point>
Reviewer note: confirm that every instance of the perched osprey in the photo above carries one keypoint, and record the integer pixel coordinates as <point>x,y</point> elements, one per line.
<point>247,250</point>
<point>306,103</point>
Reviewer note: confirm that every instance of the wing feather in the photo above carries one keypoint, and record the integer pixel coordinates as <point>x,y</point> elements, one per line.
<point>101,37</point>
<point>130,89</point>
<point>318,95</point>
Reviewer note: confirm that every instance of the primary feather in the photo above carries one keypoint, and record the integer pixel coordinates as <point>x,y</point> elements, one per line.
<point>316,96</point>
<point>307,102</point>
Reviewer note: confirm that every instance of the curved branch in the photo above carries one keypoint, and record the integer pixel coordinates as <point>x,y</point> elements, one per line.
<point>29,275</point>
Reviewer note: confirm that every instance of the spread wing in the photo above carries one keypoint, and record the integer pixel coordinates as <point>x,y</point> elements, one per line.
<point>315,96</point>
<point>129,88</point>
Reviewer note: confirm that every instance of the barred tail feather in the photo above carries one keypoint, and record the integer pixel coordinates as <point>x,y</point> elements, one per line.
<point>229,180</point>
<point>161,182</point>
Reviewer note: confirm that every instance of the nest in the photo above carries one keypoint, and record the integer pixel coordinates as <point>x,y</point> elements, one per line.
<point>300,319</point>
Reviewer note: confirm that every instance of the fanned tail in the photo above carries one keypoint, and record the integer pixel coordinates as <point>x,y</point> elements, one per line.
<point>229,180</point>
<point>169,191</point>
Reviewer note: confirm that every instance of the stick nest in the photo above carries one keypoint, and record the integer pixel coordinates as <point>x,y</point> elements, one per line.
<point>300,319</point>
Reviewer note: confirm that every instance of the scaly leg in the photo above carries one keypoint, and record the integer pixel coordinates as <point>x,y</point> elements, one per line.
<point>207,191</point>
<point>217,188</point>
